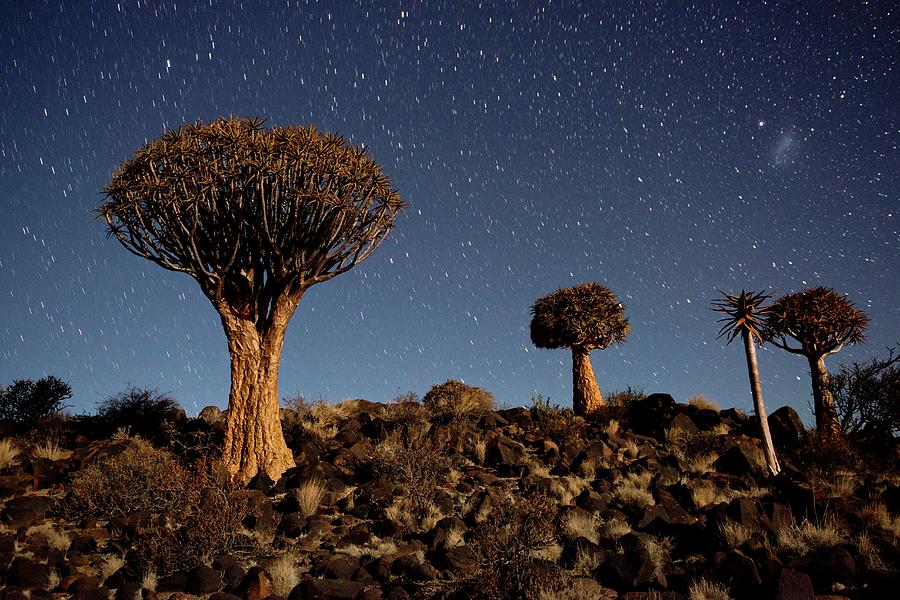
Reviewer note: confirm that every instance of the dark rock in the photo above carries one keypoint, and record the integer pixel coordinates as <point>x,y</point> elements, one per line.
<point>340,566</point>
<point>651,415</point>
<point>740,570</point>
<point>830,565</point>
<point>83,544</point>
<point>786,427</point>
<point>667,510</point>
<point>591,501</point>
<point>260,512</point>
<point>292,525</point>
<point>255,585</point>
<point>128,591</point>
<point>26,573</point>
<point>742,459</point>
<point>504,451</point>
<point>684,423</point>
<point>204,580</point>
<point>632,566</point>
<point>261,482</point>
<point>171,583</point>
<point>437,537</point>
<point>327,589</point>
<point>22,511</point>
<point>79,583</point>
<point>793,585</point>
<point>223,596</point>
<point>212,415</point>
<point>461,562</point>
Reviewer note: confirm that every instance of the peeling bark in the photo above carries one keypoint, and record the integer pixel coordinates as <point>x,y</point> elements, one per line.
<point>586,394</point>
<point>826,413</point>
<point>759,405</point>
<point>254,440</point>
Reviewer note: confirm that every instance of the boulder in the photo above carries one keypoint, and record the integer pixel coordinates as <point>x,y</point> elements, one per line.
<point>204,580</point>
<point>22,511</point>
<point>786,427</point>
<point>327,589</point>
<point>26,573</point>
<point>651,416</point>
<point>742,459</point>
<point>793,585</point>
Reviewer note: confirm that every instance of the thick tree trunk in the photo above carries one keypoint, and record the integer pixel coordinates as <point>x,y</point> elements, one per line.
<point>759,406</point>
<point>827,423</point>
<point>586,394</point>
<point>254,440</point>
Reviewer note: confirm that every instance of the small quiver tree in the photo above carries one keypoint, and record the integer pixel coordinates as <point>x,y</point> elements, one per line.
<point>745,316</point>
<point>821,321</point>
<point>582,318</point>
<point>256,216</point>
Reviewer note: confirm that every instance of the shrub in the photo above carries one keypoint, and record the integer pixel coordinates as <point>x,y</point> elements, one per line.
<point>141,411</point>
<point>506,545</point>
<point>193,516</point>
<point>867,396</point>
<point>558,423</point>
<point>455,399</point>
<point>140,477</point>
<point>622,398</point>
<point>26,402</point>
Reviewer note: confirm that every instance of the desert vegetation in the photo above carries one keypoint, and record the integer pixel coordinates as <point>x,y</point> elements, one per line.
<point>417,499</point>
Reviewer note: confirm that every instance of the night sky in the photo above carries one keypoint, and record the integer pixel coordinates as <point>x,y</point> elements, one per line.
<point>664,149</point>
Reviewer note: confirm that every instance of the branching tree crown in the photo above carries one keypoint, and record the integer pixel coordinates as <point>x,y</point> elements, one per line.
<point>587,316</point>
<point>251,213</point>
<point>820,319</point>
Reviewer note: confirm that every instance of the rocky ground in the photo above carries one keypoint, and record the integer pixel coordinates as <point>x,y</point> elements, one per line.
<point>652,500</point>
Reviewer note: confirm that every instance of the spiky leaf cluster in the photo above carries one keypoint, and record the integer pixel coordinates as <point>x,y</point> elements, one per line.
<point>250,212</point>
<point>745,313</point>
<point>819,318</point>
<point>587,316</point>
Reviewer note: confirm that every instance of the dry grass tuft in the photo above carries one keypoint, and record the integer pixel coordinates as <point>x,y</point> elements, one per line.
<point>633,489</point>
<point>57,539</point>
<point>702,403</point>
<point>734,533</point>
<point>578,524</point>
<point>809,537</point>
<point>659,550</point>
<point>616,528</point>
<point>49,450</point>
<point>9,453</point>
<point>456,400</point>
<point>480,451</point>
<point>310,495</point>
<point>868,553</point>
<point>708,590</point>
<point>376,548</point>
<point>877,515</point>
<point>283,574</point>
<point>707,493</point>
<point>612,427</point>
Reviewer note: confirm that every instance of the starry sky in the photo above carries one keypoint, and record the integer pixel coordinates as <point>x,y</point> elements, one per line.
<point>666,149</point>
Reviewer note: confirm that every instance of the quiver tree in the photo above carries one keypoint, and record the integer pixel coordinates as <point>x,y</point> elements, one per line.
<point>821,322</point>
<point>745,316</point>
<point>583,318</point>
<point>256,216</point>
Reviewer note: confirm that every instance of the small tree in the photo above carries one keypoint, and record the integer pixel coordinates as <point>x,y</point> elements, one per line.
<point>257,217</point>
<point>822,322</point>
<point>26,402</point>
<point>867,396</point>
<point>583,318</point>
<point>745,316</point>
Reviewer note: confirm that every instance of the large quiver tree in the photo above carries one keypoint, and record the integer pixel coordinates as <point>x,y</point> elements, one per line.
<point>822,322</point>
<point>582,318</point>
<point>256,216</point>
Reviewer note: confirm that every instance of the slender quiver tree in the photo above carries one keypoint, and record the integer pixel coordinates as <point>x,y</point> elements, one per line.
<point>745,316</point>
<point>256,216</point>
<point>583,318</point>
<point>822,321</point>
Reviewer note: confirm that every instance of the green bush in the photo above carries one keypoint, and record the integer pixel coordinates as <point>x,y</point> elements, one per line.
<point>455,399</point>
<point>26,402</point>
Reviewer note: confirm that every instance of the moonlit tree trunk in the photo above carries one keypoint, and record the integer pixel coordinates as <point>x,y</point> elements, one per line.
<point>586,394</point>
<point>826,414</point>
<point>254,441</point>
<point>759,406</point>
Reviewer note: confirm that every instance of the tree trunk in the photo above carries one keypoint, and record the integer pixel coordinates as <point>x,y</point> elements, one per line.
<point>586,394</point>
<point>254,440</point>
<point>827,423</point>
<point>758,404</point>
